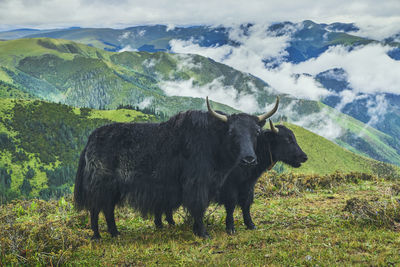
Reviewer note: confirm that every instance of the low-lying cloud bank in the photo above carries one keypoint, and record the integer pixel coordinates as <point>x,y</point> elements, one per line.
<point>256,47</point>
<point>367,69</point>
<point>216,90</point>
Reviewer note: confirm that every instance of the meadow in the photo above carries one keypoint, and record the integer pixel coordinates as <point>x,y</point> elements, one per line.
<point>350,219</point>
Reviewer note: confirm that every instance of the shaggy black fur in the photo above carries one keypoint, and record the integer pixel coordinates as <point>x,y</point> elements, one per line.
<point>158,167</point>
<point>238,188</point>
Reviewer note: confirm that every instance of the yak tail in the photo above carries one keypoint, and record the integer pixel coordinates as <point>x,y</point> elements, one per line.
<point>79,194</point>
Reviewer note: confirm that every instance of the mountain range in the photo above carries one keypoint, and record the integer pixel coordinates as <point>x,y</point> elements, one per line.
<point>305,40</point>
<point>82,76</point>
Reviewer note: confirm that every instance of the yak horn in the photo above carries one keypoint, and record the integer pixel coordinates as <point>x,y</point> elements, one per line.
<point>275,130</point>
<point>265,116</point>
<point>215,114</point>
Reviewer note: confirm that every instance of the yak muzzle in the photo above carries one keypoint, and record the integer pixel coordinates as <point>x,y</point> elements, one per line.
<point>304,158</point>
<point>249,161</point>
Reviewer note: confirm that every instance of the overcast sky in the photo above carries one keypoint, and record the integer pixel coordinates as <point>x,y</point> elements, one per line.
<point>380,17</point>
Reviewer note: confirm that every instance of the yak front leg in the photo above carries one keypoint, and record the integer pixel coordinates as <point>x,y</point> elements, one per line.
<point>229,221</point>
<point>245,205</point>
<point>169,217</point>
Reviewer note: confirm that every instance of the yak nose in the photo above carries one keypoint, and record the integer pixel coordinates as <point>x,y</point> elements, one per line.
<point>304,158</point>
<point>249,160</point>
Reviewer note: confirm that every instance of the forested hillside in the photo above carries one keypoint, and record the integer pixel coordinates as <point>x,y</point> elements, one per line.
<point>40,143</point>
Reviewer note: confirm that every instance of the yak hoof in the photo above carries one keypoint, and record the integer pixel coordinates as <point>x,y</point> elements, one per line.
<point>171,222</point>
<point>230,231</point>
<point>205,236</point>
<point>202,234</point>
<point>115,234</point>
<point>95,237</point>
<point>251,226</point>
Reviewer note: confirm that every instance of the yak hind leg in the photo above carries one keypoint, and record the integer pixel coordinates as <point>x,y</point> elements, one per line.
<point>196,200</point>
<point>158,219</point>
<point>169,217</point>
<point>110,219</point>
<point>197,214</point>
<point>94,221</point>
<point>198,227</point>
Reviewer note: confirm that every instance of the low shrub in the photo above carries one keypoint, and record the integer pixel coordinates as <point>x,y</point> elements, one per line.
<point>284,184</point>
<point>380,213</point>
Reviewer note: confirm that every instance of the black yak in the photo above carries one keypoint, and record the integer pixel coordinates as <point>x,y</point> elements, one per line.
<point>157,167</point>
<point>277,144</point>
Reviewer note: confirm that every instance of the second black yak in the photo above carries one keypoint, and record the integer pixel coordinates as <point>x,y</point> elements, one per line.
<point>277,144</point>
<point>157,167</point>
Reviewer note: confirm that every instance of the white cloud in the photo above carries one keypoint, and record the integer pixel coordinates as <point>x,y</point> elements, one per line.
<point>186,62</point>
<point>170,27</point>
<point>369,69</point>
<point>124,35</point>
<point>150,63</point>
<point>190,47</point>
<point>396,38</point>
<point>377,109</point>
<point>128,48</point>
<point>347,97</point>
<point>215,90</point>
<point>321,123</point>
<point>145,103</point>
<point>378,29</point>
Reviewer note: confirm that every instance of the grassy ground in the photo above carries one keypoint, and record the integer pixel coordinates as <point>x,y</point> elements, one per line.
<point>320,222</point>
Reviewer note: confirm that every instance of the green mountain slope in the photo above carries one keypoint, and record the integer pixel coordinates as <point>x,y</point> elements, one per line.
<point>40,144</point>
<point>79,75</point>
<point>82,76</point>
<point>154,38</point>
<point>355,135</point>
<point>326,157</point>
